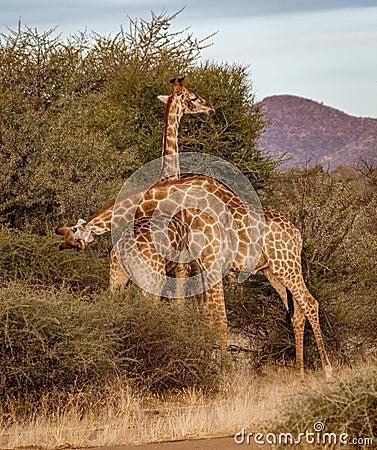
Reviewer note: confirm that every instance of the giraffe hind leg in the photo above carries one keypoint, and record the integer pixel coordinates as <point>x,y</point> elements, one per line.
<point>294,314</point>
<point>310,310</point>
<point>290,305</point>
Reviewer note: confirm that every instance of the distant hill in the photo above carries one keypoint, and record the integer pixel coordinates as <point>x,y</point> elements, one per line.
<point>314,134</point>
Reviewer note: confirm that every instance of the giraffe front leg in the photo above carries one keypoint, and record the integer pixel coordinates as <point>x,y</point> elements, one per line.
<point>216,314</point>
<point>118,277</point>
<point>200,298</point>
<point>182,273</point>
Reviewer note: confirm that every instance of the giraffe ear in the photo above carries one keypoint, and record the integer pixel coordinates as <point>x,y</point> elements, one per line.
<point>163,98</point>
<point>80,223</point>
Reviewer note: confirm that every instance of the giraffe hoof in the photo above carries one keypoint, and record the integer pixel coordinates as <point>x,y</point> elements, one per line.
<point>330,379</point>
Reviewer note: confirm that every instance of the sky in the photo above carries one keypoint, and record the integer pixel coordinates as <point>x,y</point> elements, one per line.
<point>324,50</point>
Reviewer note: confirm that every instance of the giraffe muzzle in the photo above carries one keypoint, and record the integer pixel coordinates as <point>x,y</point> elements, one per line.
<point>70,241</point>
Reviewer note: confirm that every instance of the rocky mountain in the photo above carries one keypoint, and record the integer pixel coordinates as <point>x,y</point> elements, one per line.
<point>311,133</point>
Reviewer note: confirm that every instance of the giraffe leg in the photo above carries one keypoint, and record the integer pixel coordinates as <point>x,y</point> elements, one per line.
<point>199,300</point>
<point>298,323</point>
<point>158,264</point>
<point>298,319</point>
<point>216,314</point>
<point>118,278</point>
<point>181,273</point>
<point>236,288</point>
<point>310,308</point>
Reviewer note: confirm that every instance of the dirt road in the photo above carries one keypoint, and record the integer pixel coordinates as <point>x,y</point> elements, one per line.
<point>200,444</point>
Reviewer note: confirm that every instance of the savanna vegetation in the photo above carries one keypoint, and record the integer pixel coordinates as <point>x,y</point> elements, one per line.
<point>77,117</point>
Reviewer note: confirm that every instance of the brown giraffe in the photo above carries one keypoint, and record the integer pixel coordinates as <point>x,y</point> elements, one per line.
<point>182,101</point>
<point>281,245</point>
<point>280,259</point>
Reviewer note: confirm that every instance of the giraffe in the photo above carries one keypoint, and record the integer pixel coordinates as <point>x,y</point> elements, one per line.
<point>182,101</point>
<point>281,245</point>
<point>280,258</point>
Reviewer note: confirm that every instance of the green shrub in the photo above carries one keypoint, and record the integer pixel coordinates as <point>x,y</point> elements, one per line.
<point>51,344</point>
<point>36,260</point>
<point>166,347</point>
<point>257,312</point>
<point>55,345</point>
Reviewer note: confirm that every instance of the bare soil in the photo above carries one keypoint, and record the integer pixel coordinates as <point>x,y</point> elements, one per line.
<point>200,444</point>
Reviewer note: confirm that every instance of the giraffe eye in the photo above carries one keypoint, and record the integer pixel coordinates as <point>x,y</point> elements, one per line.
<point>74,229</point>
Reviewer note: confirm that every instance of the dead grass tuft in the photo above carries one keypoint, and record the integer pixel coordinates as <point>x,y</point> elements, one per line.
<point>268,402</point>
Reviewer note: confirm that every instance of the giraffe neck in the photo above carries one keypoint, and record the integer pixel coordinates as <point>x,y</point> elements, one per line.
<point>100,223</point>
<point>170,158</point>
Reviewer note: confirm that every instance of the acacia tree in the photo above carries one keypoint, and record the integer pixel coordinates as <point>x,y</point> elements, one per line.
<point>78,117</point>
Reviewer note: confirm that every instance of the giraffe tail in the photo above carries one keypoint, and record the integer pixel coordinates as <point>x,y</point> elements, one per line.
<point>291,308</point>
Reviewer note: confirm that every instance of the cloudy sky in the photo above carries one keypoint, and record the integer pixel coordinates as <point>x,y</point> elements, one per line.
<point>325,50</point>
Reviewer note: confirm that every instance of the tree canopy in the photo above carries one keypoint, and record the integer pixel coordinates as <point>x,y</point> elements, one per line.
<point>79,116</point>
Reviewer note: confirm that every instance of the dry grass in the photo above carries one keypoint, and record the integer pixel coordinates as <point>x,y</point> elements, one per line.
<point>103,410</point>
<point>245,400</point>
<point>347,407</point>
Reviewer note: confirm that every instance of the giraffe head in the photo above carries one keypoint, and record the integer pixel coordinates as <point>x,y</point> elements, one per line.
<point>75,237</point>
<point>191,102</point>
